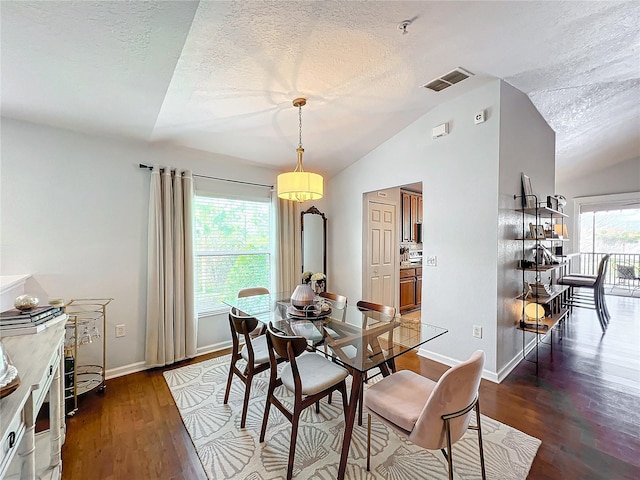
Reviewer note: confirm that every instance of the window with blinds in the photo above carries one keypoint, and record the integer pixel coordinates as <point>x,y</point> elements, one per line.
<point>232,244</point>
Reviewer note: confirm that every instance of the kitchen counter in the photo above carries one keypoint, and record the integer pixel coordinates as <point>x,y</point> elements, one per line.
<point>410,265</point>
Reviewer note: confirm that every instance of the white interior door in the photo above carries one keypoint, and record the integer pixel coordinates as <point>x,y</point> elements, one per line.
<point>381,248</point>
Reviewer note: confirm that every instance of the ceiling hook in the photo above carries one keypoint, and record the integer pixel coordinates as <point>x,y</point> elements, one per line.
<point>403,26</point>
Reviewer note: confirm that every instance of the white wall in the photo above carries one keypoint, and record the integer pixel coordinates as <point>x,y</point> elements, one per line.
<point>74,212</point>
<point>460,184</point>
<point>527,144</point>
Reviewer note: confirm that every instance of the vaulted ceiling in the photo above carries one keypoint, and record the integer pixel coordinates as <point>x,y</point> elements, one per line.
<point>220,76</point>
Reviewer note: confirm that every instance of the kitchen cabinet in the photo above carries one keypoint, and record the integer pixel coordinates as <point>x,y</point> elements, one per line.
<point>411,216</point>
<point>410,288</point>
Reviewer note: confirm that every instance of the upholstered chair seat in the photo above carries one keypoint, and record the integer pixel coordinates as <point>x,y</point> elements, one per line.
<point>260,351</point>
<point>400,398</point>
<point>316,374</point>
<point>579,280</point>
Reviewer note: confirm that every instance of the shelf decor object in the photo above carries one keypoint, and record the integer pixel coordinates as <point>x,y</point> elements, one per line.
<point>534,311</point>
<point>299,185</point>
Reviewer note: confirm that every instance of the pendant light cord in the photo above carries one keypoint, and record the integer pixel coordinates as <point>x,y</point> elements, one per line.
<point>300,124</point>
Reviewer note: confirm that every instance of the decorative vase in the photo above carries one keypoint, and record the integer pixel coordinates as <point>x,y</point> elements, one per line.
<point>319,286</point>
<point>26,302</point>
<point>302,296</point>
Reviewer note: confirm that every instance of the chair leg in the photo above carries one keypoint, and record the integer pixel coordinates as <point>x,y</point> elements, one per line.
<point>449,456</point>
<point>294,436</point>
<point>368,442</point>
<point>360,402</point>
<point>245,404</point>
<point>226,393</point>
<point>604,305</point>
<point>318,406</point>
<point>343,391</point>
<point>267,407</point>
<point>599,310</point>
<point>484,474</point>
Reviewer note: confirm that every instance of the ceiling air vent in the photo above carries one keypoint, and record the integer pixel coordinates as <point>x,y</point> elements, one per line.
<point>448,79</point>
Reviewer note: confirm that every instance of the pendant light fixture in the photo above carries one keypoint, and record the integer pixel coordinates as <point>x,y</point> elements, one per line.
<point>300,185</point>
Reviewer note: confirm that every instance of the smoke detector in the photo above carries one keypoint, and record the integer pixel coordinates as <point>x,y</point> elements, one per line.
<point>448,79</point>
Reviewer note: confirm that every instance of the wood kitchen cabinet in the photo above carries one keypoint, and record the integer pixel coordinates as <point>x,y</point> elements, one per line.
<point>411,215</point>
<point>410,288</point>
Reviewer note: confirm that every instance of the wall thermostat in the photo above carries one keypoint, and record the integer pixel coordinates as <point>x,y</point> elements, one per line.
<point>479,118</point>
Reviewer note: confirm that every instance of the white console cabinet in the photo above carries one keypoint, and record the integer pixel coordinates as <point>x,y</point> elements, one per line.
<point>24,454</point>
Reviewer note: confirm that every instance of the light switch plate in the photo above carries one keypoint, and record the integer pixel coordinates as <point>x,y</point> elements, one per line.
<point>432,261</point>
<point>477,331</point>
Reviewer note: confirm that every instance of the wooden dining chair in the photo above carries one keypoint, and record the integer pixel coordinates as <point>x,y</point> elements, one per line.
<point>255,353</point>
<point>390,312</point>
<point>338,302</point>
<point>310,377</point>
<point>432,415</point>
<point>250,292</point>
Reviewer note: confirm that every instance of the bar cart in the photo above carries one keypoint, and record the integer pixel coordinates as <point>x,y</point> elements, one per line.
<point>87,319</point>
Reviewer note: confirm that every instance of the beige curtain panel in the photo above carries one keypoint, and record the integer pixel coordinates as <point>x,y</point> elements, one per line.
<point>288,245</point>
<point>172,322</point>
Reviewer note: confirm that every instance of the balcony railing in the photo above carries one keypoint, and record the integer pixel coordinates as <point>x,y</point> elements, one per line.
<point>589,266</point>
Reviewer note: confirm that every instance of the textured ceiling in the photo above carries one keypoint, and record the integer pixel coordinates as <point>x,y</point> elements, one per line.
<point>220,76</point>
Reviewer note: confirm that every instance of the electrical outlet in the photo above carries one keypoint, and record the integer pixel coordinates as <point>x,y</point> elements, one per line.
<point>120,331</point>
<point>432,261</point>
<point>477,331</point>
<point>479,117</point>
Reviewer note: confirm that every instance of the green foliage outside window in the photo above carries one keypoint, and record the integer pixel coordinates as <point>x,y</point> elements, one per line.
<point>232,249</point>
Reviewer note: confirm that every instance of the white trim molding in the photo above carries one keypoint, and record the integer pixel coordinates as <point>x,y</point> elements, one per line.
<point>140,366</point>
<point>486,374</point>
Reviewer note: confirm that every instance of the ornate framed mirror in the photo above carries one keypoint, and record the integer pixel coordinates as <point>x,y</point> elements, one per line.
<point>313,225</point>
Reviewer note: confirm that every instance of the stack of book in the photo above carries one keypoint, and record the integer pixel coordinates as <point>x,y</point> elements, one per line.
<point>16,322</point>
<point>540,290</point>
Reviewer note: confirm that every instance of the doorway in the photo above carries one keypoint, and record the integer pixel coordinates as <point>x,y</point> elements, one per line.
<point>387,216</point>
<point>608,226</point>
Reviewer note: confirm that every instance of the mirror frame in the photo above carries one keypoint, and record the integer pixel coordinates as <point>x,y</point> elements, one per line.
<point>314,211</point>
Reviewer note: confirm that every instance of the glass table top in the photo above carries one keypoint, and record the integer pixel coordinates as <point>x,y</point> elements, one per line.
<point>359,339</point>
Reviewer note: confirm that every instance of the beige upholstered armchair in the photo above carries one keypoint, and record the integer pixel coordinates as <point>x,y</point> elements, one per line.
<point>433,415</point>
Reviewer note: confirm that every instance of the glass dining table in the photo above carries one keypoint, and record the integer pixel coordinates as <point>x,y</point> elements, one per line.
<point>360,340</point>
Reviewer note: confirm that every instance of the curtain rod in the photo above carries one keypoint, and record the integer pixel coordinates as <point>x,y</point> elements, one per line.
<point>150,167</point>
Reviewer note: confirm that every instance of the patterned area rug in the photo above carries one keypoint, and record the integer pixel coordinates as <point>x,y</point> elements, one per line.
<point>228,452</point>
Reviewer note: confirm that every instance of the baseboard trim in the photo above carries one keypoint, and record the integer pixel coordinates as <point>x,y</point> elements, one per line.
<point>515,361</point>
<point>125,370</point>
<point>450,362</point>
<point>140,366</point>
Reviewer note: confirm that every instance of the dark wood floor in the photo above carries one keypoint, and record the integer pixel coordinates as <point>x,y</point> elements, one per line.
<point>584,405</point>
